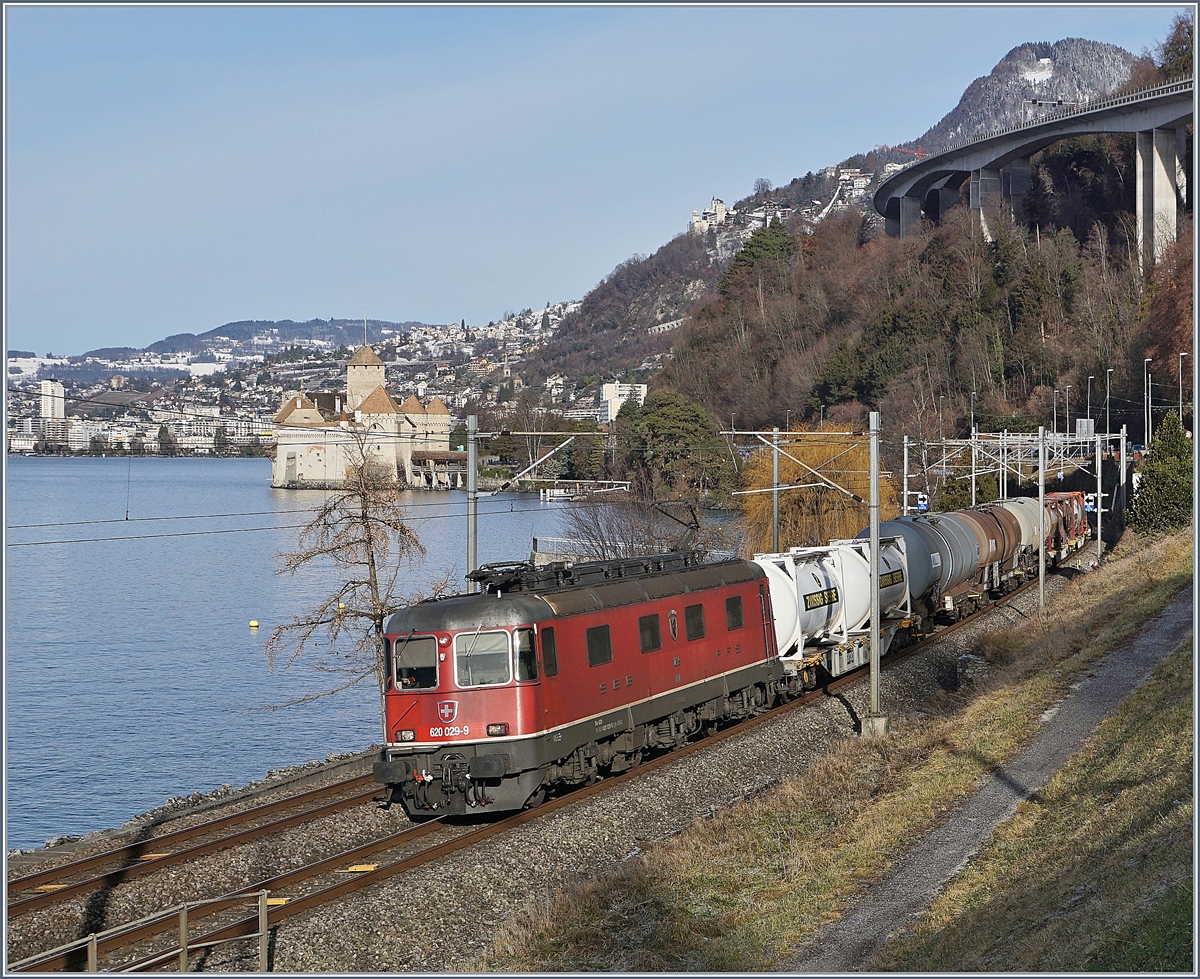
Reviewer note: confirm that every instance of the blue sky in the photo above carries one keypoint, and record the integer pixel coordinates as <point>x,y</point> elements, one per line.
<point>170,169</point>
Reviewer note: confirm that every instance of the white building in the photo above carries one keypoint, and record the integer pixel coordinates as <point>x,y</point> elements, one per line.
<point>713,216</point>
<point>410,441</point>
<point>53,400</point>
<point>615,395</point>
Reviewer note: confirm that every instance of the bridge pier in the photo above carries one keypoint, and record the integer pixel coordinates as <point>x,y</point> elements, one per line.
<point>1017,181</point>
<point>986,188</point>
<point>1158,155</point>
<point>910,215</point>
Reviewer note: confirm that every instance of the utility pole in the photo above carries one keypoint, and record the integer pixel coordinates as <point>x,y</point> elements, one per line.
<point>876,724</point>
<point>1041,516</point>
<point>1091,377</point>
<point>1146,400</point>
<point>973,445</point>
<point>1004,464</point>
<point>1182,354</point>
<point>1107,403</point>
<point>1068,400</point>
<point>904,506</point>
<point>1124,473</point>
<point>775,491</point>
<point>472,500</point>
<point>1099,500</point>
<point>1149,408</point>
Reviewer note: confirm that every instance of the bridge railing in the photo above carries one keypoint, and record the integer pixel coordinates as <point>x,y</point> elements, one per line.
<point>1093,105</point>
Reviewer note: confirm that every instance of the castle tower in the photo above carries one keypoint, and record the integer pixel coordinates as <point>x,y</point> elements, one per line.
<point>364,373</point>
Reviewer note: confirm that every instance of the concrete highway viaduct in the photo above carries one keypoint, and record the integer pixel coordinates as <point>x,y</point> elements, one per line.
<point>998,169</point>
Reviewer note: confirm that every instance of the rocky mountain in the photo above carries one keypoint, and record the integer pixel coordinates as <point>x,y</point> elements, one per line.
<point>1073,70</point>
<point>619,325</point>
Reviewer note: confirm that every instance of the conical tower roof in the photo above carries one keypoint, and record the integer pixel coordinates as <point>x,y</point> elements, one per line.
<point>436,407</point>
<point>364,356</point>
<point>378,402</point>
<point>412,406</point>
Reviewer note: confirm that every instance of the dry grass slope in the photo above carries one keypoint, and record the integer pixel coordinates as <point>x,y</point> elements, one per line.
<point>741,890</point>
<point>1075,878</point>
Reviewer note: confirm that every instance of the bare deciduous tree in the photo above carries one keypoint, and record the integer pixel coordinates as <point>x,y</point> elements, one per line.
<point>627,529</point>
<point>359,533</point>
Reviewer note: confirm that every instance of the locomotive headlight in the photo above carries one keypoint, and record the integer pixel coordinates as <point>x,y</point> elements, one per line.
<point>497,730</point>
<point>406,735</point>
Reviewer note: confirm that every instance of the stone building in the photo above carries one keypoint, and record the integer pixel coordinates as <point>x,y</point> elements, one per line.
<point>412,440</point>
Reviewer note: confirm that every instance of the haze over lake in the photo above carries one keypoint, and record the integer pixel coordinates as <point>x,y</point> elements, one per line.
<point>130,672</point>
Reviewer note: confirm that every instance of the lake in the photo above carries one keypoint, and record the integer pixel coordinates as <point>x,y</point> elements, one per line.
<point>131,674</point>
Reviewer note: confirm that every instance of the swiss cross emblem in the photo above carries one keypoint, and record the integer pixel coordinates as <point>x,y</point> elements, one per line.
<point>447,709</point>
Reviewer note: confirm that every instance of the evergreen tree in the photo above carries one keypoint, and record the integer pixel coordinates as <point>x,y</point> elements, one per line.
<point>1164,498</point>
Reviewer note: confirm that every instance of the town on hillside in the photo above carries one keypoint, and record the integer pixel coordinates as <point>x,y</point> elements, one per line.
<point>267,395</point>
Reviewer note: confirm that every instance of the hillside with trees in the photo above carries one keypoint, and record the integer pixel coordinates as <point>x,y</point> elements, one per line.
<point>608,333</point>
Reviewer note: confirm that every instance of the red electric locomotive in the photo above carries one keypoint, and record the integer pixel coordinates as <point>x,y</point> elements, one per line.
<point>551,677</point>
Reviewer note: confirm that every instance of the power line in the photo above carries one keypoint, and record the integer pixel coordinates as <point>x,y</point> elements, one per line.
<point>248,530</point>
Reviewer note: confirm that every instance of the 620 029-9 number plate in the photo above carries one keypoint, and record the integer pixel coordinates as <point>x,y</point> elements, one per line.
<point>453,731</point>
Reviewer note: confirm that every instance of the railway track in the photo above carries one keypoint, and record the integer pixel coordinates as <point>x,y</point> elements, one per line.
<point>147,945</point>
<point>48,887</point>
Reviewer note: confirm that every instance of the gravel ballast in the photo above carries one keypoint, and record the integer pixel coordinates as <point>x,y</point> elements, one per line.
<point>441,917</point>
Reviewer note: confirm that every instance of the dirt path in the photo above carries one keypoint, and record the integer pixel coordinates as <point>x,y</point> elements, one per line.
<point>849,943</point>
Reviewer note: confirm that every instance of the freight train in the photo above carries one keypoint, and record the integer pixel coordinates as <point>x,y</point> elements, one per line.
<point>551,677</point>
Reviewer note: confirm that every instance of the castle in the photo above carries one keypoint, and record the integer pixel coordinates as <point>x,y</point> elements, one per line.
<point>314,445</point>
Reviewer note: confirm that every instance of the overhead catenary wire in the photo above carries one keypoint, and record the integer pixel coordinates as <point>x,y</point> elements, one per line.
<point>246,530</point>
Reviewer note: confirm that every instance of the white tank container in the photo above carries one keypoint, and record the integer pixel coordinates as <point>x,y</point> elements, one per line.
<point>822,591</point>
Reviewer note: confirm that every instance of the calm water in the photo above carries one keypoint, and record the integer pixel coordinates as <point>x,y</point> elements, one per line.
<point>130,672</point>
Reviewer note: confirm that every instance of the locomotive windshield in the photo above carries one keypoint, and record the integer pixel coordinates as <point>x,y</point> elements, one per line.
<point>481,659</point>
<point>415,663</point>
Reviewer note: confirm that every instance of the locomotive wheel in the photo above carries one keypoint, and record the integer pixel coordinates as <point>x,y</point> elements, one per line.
<point>538,797</point>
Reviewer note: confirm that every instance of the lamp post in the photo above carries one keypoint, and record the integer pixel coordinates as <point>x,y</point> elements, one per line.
<point>1182,354</point>
<point>1107,403</point>
<point>1091,377</point>
<point>1146,400</point>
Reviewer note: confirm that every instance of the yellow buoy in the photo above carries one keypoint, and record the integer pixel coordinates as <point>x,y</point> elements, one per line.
<point>254,623</point>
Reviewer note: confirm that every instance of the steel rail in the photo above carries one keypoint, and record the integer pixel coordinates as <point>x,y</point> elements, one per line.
<point>149,927</point>
<point>314,899</point>
<point>321,896</point>
<point>139,850</point>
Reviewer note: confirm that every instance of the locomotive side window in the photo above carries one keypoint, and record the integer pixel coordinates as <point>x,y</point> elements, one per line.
<point>650,630</point>
<point>599,644</point>
<point>414,660</point>
<point>549,651</point>
<point>481,659</point>
<point>693,618</point>
<point>527,665</point>
<point>733,613</point>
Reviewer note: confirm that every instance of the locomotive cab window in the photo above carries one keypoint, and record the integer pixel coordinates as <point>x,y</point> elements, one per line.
<point>599,645</point>
<point>527,664</point>
<point>733,613</point>
<point>693,619</point>
<point>481,659</point>
<point>414,662</point>
<point>650,631</point>
<point>549,651</point>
